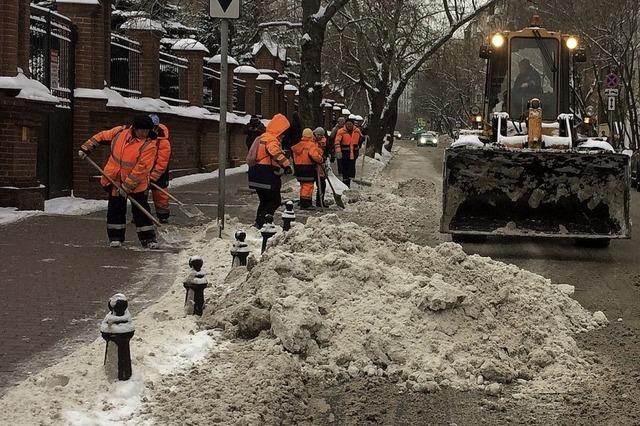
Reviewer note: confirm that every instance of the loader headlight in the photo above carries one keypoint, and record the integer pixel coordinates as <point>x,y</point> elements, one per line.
<point>497,40</point>
<point>587,120</point>
<point>477,119</point>
<point>572,43</point>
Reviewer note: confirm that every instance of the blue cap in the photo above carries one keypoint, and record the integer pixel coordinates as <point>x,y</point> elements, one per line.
<point>155,119</point>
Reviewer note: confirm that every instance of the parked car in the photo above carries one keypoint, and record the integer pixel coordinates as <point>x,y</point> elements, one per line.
<point>427,139</point>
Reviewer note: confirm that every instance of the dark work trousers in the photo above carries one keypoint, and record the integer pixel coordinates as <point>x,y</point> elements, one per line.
<point>320,191</point>
<point>348,169</point>
<point>270,200</point>
<point>117,215</point>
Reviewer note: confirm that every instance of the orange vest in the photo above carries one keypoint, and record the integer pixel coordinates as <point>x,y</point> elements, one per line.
<point>270,152</point>
<point>346,141</point>
<point>164,153</point>
<point>306,153</point>
<point>131,159</point>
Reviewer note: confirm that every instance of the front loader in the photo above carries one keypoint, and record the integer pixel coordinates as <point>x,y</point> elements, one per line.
<point>527,172</point>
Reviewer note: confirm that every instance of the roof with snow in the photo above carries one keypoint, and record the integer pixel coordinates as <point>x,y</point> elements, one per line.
<point>142,24</point>
<point>272,47</point>
<point>290,88</point>
<point>246,69</point>
<point>217,59</point>
<point>189,44</point>
<point>264,77</point>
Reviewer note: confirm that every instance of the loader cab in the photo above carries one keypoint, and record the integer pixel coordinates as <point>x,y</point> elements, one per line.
<point>527,64</point>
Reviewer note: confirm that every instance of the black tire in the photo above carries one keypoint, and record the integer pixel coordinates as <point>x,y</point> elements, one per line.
<point>469,239</point>
<point>593,242</point>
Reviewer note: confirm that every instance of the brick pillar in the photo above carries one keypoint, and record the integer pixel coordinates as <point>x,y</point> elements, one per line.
<point>249,75</point>
<point>194,52</point>
<point>328,116</point>
<point>92,54</point>
<point>290,94</point>
<point>231,66</point>
<point>11,37</point>
<point>282,106</point>
<point>268,88</point>
<point>149,60</point>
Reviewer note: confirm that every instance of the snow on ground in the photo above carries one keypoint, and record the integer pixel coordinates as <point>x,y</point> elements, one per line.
<point>199,177</point>
<point>75,391</point>
<point>73,206</point>
<point>12,214</point>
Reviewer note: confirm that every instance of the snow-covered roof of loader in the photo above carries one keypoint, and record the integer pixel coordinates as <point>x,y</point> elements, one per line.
<point>143,24</point>
<point>595,145</point>
<point>246,69</point>
<point>217,59</point>
<point>189,44</point>
<point>29,89</point>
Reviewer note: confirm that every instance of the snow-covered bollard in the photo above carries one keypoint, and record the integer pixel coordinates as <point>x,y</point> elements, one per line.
<point>288,216</point>
<point>117,329</point>
<point>195,283</point>
<point>268,230</point>
<point>240,250</point>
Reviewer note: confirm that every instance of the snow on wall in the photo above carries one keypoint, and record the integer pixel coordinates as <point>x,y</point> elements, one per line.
<point>189,44</point>
<point>246,69</point>
<point>217,59</point>
<point>142,24</point>
<point>29,89</point>
<point>290,88</point>
<point>264,77</point>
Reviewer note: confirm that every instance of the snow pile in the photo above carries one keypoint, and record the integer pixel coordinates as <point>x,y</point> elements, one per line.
<point>12,214</point>
<point>73,206</point>
<point>351,303</point>
<point>29,89</point>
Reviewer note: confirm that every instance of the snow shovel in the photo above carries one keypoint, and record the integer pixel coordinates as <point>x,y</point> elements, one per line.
<point>362,181</point>
<point>336,196</point>
<point>189,210</point>
<point>320,192</point>
<point>166,235</point>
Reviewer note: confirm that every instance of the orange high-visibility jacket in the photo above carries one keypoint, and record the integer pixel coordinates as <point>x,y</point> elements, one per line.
<point>270,158</point>
<point>322,144</point>
<point>346,141</point>
<point>131,159</point>
<point>306,155</point>
<point>163,155</point>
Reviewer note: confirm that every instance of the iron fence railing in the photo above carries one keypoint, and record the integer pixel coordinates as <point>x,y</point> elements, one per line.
<point>239,90</point>
<point>125,66</point>
<point>211,88</point>
<point>172,69</point>
<point>51,55</point>
<point>258,100</point>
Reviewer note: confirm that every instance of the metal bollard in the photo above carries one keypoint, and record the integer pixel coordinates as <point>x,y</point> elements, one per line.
<point>268,230</point>
<point>117,329</point>
<point>288,216</point>
<point>240,250</point>
<point>195,283</point>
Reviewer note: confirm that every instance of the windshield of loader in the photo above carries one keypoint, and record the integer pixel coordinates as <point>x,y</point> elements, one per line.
<point>533,74</point>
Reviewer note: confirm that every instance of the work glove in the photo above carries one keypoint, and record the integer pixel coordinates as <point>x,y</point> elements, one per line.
<point>83,154</point>
<point>288,170</point>
<point>339,155</point>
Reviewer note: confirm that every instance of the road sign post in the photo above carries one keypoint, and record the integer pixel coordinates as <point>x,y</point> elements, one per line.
<point>225,10</point>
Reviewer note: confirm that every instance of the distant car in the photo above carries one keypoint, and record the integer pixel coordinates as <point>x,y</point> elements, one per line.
<point>397,135</point>
<point>427,139</point>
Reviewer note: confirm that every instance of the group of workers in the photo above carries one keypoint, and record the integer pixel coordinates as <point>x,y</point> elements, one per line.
<point>140,153</point>
<point>310,151</point>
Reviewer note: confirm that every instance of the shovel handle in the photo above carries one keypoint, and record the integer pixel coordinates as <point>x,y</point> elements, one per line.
<point>114,183</point>
<point>165,192</point>
<point>324,169</point>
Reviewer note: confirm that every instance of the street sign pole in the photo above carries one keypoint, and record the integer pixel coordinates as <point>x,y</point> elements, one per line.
<point>222,146</point>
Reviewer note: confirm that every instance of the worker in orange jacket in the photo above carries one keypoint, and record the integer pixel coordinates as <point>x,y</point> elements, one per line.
<point>270,165</point>
<point>321,140</point>
<point>133,153</point>
<point>160,172</point>
<point>307,155</point>
<point>347,145</point>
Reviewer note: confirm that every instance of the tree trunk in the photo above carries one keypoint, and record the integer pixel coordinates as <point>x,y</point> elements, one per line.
<point>310,66</point>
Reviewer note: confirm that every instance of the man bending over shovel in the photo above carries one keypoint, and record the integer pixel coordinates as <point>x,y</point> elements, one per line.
<point>126,175</point>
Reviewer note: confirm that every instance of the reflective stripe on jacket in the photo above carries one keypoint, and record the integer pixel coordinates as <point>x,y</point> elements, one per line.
<point>306,156</point>
<point>131,158</point>
<point>346,141</point>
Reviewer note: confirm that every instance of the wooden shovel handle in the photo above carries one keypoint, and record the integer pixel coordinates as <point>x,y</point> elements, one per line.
<point>165,192</point>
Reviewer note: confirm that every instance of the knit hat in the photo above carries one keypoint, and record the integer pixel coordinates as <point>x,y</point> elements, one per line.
<point>142,122</point>
<point>155,119</point>
<point>319,131</point>
<point>307,133</point>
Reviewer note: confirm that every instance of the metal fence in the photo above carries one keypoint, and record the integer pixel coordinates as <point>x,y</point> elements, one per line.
<point>125,66</point>
<point>258,100</point>
<point>172,68</point>
<point>239,90</point>
<point>211,88</point>
<point>51,55</point>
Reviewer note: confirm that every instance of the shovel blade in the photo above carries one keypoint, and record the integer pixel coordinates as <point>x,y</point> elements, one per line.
<point>191,211</point>
<point>338,200</point>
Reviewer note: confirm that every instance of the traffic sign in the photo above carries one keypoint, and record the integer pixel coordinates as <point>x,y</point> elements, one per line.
<point>611,92</point>
<point>612,81</point>
<point>228,9</point>
<point>611,103</point>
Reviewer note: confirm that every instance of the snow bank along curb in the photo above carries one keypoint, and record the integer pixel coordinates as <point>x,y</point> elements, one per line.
<point>75,391</point>
<point>351,305</point>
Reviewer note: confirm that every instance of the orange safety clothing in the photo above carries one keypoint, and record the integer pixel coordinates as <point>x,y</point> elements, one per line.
<point>269,157</point>
<point>322,144</point>
<point>131,158</point>
<point>306,190</point>
<point>306,156</point>
<point>348,142</point>
<point>164,153</point>
<point>161,203</point>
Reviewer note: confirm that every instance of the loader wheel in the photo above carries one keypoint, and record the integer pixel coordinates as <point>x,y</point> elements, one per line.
<point>469,239</point>
<point>593,243</point>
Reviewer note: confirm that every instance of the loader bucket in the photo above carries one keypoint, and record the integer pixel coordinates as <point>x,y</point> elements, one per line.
<point>498,191</point>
